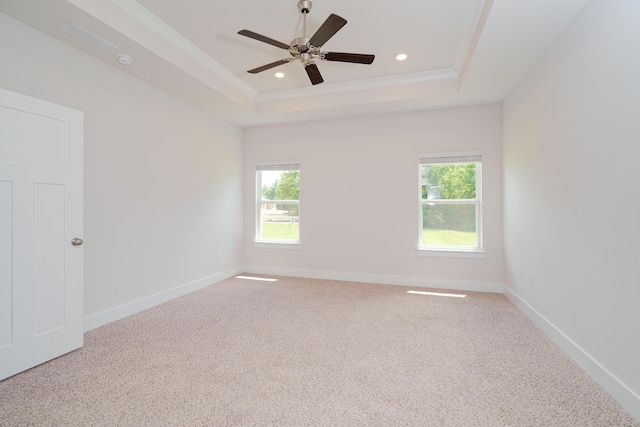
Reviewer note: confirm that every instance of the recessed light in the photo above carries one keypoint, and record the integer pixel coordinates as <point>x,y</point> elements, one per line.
<point>279,75</point>
<point>401,57</point>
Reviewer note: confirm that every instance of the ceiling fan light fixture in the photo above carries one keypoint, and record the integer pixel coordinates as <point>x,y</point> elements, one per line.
<point>401,57</point>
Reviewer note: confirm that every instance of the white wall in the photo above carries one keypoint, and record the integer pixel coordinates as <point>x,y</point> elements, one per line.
<point>358,196</point>
<point>162,178</point>
<point>571,150</point>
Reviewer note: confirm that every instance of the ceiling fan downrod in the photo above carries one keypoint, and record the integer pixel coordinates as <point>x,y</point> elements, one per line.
<point>304,6</point>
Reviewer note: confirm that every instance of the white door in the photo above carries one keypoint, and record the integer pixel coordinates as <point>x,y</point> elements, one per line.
<point>41,301</point>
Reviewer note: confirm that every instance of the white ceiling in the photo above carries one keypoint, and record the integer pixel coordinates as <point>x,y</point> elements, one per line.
<point>461,52</point>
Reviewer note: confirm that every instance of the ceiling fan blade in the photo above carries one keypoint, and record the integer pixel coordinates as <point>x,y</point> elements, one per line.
<point>263,39</point>
<point>268,66</point>
<point>357,58</point>
<point>331,26</point>
<point>313,73</point>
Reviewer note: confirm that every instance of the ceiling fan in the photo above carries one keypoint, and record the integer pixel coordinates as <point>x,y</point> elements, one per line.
<point>306,49</point>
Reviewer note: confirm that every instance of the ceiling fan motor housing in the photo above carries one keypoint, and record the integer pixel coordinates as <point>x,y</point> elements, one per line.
<point>299,45</point>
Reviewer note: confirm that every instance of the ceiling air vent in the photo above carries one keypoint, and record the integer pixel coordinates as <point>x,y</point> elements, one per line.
<point>80,33</point>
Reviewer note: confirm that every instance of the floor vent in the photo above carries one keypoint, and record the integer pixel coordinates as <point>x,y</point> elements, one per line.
<point>80,33</point>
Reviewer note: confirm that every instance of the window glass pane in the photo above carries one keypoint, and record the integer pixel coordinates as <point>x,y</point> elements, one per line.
<point>448,181</point>
<point>280,221</point>
<point>280,185</point>
<point>449,225</point>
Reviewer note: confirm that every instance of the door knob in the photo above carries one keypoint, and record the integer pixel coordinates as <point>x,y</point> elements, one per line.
<point>77,242</point>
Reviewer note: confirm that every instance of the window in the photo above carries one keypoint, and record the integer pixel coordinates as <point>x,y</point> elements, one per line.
<point>278,203</point>
<point>451,202</point>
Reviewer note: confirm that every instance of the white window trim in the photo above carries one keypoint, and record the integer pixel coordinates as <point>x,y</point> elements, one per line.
<point>452,253</point>
<point>278,244</point>
<point>447,251</point>
<point>274,243</point>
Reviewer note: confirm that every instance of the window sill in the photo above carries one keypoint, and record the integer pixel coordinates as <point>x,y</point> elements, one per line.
<point>452,253</point>
<point>277,245</point>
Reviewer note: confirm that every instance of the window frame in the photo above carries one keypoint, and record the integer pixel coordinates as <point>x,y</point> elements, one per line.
<point>476,251</point>
<point>259,241</point>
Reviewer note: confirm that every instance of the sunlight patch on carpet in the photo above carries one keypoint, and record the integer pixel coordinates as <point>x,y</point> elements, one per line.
<point>262,279</point>
<point>436,294</point>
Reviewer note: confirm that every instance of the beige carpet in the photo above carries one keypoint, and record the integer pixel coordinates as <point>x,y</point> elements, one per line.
<point>298,352</point>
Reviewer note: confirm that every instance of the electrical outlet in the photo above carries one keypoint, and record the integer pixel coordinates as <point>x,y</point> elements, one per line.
<point>412,257</point>
<point>305,252</point>
<point>218,255</point>
<point>531,279</point>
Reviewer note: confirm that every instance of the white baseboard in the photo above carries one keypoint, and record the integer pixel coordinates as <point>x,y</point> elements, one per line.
<point>419,282</point>
<point>116,313</point>
<point>627,398</point>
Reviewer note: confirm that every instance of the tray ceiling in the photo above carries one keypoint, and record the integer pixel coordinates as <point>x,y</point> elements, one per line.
<point>460,52</point>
